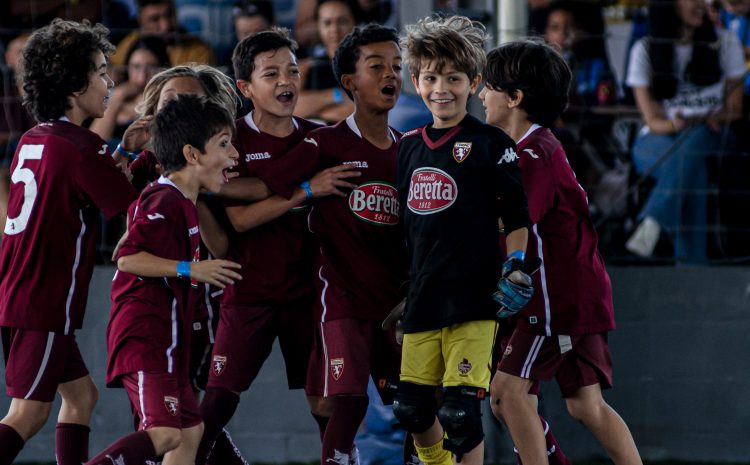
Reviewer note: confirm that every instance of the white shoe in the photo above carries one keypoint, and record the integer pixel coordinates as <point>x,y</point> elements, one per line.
<point>644,239</point>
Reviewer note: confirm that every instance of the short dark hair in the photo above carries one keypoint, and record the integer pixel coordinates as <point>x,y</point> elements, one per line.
<point>57,61</point>
<point>535,68</point>
<point>347,53</point>
<point>243,57</point>
<point>153,44</point>
<point>357,13</point>
<point>250,8</point>
<point>188,119</point>
<point>142,3</point>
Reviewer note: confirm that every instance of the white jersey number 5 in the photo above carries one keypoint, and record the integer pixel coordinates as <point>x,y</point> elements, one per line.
<point>26,176</point>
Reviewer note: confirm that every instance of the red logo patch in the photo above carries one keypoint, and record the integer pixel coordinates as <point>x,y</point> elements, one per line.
<point>172,404</point>
<point>337,368</point>
<point>464,367</point>
<point>430,191</point>
<point>375,202</point>
<point>219,363</point>
<point>461,150</point>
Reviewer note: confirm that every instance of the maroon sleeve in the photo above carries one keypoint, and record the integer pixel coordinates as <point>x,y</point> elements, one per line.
<point>538,181</point>
<point>298,165</point>
<point>156,219</point>
<point>104,183</point>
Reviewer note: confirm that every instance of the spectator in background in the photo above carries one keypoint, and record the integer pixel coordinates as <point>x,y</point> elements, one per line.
<point>686,78</point>
<point>146,57</point>
<point>157,17</point>
<point>306,32</point>
<point>735,16</point>
<point>538,11</point>
<point>321,97</point>
<point>251,16</point>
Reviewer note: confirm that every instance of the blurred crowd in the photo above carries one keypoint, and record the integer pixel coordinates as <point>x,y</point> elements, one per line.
<point>656,130</point>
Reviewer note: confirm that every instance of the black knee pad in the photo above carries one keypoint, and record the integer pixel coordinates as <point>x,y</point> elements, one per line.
<point>415,406</point>
<point>461,418</point>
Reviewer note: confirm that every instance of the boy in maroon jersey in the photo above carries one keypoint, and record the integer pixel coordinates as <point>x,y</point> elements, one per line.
<point>62,176</point>
<point>272,243</point>
<point>562,332</point>
<point>155,289</point>
<point>360,258</point>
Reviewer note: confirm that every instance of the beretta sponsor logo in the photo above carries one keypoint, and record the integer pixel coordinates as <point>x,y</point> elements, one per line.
<point>375,202</point>
<point>431,190</point>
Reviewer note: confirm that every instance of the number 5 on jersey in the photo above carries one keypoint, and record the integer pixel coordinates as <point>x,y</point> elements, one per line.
<point>26,176</point>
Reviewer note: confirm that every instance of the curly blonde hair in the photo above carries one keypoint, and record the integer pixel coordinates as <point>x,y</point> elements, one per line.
<point>454,39</point>
<point>219,87</point>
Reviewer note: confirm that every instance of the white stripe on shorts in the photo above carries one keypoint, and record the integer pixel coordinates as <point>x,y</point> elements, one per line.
<point>43,365</point>
<point>531,357</point>
<point>140,399</point>
<point>325,357</point>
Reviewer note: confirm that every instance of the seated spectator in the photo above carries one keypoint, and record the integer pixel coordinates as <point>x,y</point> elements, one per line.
<point>686,78</point>
<point>320,96</point>
<point>157,17</point>
<point>146,57</point>
<point>383,12</point>
<point>251,16</point>
<point>735,16</point>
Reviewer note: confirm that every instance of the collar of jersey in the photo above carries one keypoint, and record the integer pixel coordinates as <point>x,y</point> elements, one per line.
<point>533,128</point>
<point>355,129</point>
<point>165,180</point>
<point>249,121</point>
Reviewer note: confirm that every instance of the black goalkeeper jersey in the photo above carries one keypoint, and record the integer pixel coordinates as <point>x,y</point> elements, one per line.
<point>453,186</point>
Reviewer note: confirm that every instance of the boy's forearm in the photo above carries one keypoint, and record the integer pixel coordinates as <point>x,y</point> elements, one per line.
<point>247,217</point>
<point>212,233</point>
<point>517,240</point>
<point>247,189</point>
<point>147,265</point>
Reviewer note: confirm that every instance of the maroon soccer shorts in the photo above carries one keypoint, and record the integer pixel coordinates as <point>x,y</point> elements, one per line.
<point>160,399</point>
<point>201,345</point>
<point>574,361</point>
<point>244,340</point>
<point>346,353</point>
<point>36,362</point>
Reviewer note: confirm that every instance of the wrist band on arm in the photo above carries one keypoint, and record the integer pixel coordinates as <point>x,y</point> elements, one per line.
<point>519,254</point>
<point>128,155</point>
<point>183,269</point>
<point>308,191</point>
<point>337,97</point>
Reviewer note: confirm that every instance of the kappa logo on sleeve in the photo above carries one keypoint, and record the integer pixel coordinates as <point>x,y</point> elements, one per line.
<point>154,216</point>
<point>532,154</point>
<point>509,156</point>
<point>312,141</point>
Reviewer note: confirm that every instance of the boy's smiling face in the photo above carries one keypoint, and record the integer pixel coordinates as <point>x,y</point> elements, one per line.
<point>377,80</point>
<point>497,106</point>
<point>445,92</point>
<point>274,83</point>
<point>219,156</point>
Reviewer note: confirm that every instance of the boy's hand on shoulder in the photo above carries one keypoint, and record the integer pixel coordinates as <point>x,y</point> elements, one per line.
<point>216,272</point>
<point>331,180</point>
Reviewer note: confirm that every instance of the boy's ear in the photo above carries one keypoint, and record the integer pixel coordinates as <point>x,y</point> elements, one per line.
<point>347,82</point>
<point>190,153</point>
<point>475,83</point>
<point>415,80</point>
<point>245,88</point>
<point>515,99</point>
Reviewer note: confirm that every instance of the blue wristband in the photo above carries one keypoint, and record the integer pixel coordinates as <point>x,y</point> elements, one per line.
<point>519,254</point>
<point>183,270</point>
<point>308,191</point>
<point>337,97</point>
<point>129,155</point>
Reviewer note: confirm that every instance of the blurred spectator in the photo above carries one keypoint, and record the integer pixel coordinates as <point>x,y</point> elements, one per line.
<point>251,16</point>
<point>538,11</point>
<point>157,17</point>
<point>22,15</point>
<point>146,57</point>
<point>735,16</point>
<point>321,96</point>
<point>306,28</point>
<point>686,77</point>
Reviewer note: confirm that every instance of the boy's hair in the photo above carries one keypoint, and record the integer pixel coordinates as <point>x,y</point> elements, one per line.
<point>243,57</point>
<point>347,53</point>
<point>538,70</point>
<point>217,86</point>
<point>188,119</point>
<point>57,61</point>
<point>455,39</point>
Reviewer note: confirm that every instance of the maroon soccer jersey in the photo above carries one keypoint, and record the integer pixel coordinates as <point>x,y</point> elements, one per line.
<point>361,247</point>
<point>62,175</point>
<point>276,257</point>
<point>573,292</point>
<point>150,320</point>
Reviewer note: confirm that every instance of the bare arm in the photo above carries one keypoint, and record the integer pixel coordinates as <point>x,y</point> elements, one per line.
<point>246,189</point>
<point>212,233</point>
<point>653,113</point>
<point>732,108</point>
<point>316,102</point>
<point>517,240</point>
<point>216,272</point>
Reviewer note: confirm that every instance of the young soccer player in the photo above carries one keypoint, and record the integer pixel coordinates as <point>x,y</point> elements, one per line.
<point>272,241</point>
<point>62,176</point>
<point>456,178</point>
<point>562,332</point>
<point>359,262</point>
<point>154,292</point>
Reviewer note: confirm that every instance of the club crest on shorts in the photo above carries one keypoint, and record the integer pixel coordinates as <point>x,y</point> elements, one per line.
<point>508,351</point>
<point>337,368</point>
<point>172,404</point>
<point>464,367</point>
<point>461,151</point>
<point>219,363</point>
